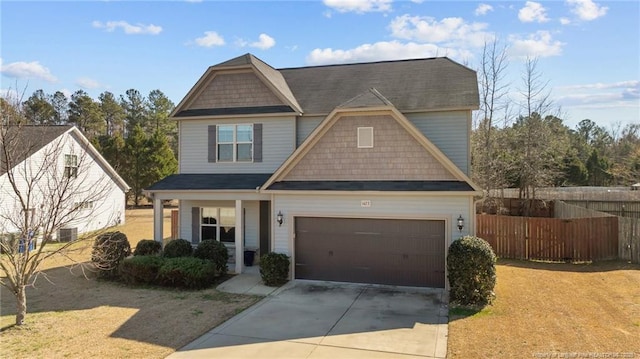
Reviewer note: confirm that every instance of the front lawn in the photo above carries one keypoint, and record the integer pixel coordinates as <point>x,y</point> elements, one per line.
<point>547,309</point>
<point>79,317</point>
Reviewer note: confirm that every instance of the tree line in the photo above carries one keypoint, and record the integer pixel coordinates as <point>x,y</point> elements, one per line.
<point>132,132</point>
<point>519,139</point>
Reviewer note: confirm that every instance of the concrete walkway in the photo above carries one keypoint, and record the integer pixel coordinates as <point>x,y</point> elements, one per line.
<point>311,319</point>
<point>249,282</point>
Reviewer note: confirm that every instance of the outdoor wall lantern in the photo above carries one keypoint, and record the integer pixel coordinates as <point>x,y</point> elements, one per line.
<point>460,223</point>
<point>279,218</point>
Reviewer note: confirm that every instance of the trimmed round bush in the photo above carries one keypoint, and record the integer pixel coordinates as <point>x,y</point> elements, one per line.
<point>109,249</point>
<point>186,272</point>
<point>471,266</point>
<point>148,247</point>
<point>178,248</point>
<point>215,251</point>
<point>140,269</point>
<point>274,269</point>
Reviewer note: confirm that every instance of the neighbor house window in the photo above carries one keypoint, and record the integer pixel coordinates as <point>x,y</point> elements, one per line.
<point>235,143</point>
<point>70,166</point>
<point>83,205</point>
<point>218,224</point>
<point>365,137</point>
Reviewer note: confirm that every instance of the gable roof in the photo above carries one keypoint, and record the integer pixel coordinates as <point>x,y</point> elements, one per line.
<point>270,76</point>
<point>29,139</point>
<point>430,84</point>
<point>278,180</point>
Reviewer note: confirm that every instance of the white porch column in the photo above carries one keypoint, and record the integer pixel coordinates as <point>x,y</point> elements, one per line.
<point>157,219</point>
<point>239,237</point>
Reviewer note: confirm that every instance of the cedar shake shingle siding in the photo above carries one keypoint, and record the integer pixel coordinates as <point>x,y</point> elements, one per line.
<point>235,90</point>
<point>395,155</point>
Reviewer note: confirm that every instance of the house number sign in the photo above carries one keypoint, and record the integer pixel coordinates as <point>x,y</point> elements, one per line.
<point>365,203</point>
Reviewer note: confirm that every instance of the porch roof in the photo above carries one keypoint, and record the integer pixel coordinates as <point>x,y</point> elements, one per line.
<point>459,186</point>
<point>210,181</point>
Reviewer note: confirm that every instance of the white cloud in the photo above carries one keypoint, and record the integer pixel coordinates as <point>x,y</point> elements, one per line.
<point>450,31</point>
<point>631,84</point>
<point>417,1</point>
<point>359,6</point>
<point>23,69</point>
<point>565,21</point>
<point>587,10</point>
<point>138,29</point>
<point>264,42</point>
<point>533,12</point>
<point>483,9</point>
<point>88,83</point>
<point>539,44</point>
<point>379,51</point>
<point>210,39</point>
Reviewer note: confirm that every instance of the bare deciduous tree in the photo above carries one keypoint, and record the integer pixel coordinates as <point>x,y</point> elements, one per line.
<point>42,189</point>
<point>488,162</point>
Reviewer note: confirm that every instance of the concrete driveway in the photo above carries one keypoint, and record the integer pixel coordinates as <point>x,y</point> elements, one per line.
<point>310,319</point>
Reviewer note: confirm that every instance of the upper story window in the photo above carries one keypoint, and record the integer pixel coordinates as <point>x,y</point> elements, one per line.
<point>235,143</point>
<point>70,166</point>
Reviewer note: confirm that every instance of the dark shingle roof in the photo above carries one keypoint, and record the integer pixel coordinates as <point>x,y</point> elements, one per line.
<point>371,186</point>
<point>410,85</point>
<point>234,111</point>
<point>423,84</point>
<point>208,181</point>
<point>24,141</point>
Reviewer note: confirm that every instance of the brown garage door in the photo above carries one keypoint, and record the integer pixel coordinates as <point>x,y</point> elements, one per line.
<point>381,251</point>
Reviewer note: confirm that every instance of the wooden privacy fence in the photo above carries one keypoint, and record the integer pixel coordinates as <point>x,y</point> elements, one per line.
<point>550,239</point>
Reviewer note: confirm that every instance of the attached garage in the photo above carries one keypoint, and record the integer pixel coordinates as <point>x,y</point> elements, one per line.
<point>404,252</point>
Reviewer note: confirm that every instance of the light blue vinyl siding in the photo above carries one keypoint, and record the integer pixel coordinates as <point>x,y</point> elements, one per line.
<point>449,131</point>
<point>278,142</point>
<point>304,127</point>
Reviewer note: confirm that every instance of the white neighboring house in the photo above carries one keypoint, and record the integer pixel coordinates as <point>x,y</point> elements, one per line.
<point>42,160</point>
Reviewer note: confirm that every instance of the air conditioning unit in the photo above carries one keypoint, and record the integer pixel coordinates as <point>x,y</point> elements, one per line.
<point>67,234</point>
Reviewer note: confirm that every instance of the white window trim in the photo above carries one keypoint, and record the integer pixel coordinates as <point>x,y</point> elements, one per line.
<point>234,144</point>
<point>74,165</point>
<point>217,225</point>
<point>361,133</point>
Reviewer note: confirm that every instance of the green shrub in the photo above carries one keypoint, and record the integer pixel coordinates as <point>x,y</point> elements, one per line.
<point>186,272</point>
<point>140,269</point>
<point>274,269</point>
<point>178,248</point>
<point>471,266</point>
<point>109,249</point>
<point>215,251</point>
<point>148,247</point>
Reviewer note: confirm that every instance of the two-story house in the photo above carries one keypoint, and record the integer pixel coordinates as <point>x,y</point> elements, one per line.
<point>68,187</point>
<point>359,172</point>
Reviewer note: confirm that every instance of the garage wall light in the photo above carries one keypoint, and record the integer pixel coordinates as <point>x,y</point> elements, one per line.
<point>280,218</point>
<point>460,223</point>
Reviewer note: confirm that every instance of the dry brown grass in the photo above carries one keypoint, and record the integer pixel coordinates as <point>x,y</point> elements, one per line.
<point>80,317</point>
<point>547,308</point>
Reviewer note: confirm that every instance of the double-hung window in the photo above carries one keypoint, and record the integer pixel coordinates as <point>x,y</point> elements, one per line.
<point>70,166</point>
<point>235,143</point>
<point>218,224</point>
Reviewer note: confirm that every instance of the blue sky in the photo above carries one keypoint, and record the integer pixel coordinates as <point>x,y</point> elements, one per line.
<point>589,51</point>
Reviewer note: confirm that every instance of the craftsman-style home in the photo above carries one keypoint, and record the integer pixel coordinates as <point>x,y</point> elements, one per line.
<point>358,172</point>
